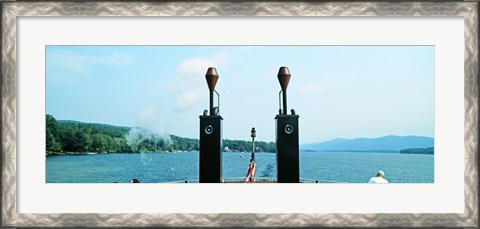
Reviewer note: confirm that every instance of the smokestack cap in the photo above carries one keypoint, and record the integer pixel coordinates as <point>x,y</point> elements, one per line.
<point>284,77</point>
<point>212,78</point>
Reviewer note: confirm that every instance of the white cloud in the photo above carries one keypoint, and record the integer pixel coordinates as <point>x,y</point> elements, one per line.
<point>248,49</point>
<point>187,100</point>
<point>82,62</point>
<point>310,88</point>
<point>148,118</point>
<point>170,85</point>
<point>114,59</point>
<point>195,68</point>
<point>191,84</point>
<point>271,74</point>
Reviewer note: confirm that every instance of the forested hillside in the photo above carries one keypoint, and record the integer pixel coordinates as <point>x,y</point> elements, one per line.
<point>77,137</point>
<point>429,150</point>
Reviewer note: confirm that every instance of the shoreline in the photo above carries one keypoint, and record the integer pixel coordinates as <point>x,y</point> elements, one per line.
<point>164,152</point>
<point>364,151</point>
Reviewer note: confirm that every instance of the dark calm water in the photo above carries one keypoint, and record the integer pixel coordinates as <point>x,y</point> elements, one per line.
<point>168,167</point>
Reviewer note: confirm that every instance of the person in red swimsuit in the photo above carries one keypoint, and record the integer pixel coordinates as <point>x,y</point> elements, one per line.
<point>250,177</point>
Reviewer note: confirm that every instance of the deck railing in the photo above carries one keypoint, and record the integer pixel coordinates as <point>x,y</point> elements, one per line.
<point>257,180</point>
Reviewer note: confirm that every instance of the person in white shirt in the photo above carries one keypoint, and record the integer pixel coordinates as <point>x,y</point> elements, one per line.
<point>379,179</point>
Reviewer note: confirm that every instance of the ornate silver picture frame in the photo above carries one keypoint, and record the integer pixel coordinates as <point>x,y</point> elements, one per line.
<point>11,10</point>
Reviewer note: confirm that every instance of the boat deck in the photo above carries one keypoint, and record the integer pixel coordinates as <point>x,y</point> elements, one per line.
<point>258,180</point>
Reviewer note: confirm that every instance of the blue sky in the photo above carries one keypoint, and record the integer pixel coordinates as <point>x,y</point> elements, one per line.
<point>338,91</point>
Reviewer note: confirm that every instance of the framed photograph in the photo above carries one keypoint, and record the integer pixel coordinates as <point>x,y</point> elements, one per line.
<point>189,101</point>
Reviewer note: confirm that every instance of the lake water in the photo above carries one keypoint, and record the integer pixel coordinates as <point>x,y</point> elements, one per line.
<point>178,167</point>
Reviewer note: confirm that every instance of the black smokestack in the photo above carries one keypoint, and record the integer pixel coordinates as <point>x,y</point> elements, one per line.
<point>212,78</point>
<point>284,77</point>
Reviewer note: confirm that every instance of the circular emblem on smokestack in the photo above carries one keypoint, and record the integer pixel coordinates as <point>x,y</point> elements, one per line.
<point>212,78</point>
<point>289,129</point>
<point>284,77</point>
<point>209,129</point>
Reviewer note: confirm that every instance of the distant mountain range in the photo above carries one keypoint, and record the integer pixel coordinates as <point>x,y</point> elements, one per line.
<point>386,144</point>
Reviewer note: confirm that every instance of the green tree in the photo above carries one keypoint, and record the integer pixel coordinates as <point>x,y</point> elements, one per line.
<point>52,141</point>
<point>99,143</point>
<point>123,146</point>
<point>81,141</point>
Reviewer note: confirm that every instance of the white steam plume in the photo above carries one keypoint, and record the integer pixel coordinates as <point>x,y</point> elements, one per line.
<point>149,127</point>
